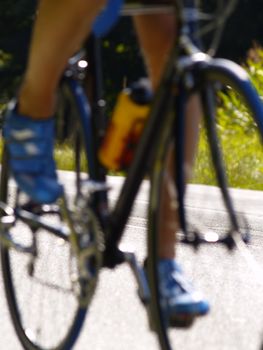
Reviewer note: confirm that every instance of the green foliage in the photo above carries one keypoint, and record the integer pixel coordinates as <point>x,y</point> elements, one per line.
<point>242,147</point>
<point>64,156</point>
<point>243,156</point>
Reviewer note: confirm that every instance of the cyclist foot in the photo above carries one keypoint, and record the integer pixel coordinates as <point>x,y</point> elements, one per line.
<point>30,146</point>
<point>180,301</point>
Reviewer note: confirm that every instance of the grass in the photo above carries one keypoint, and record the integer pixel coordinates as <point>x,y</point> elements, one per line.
<point>64,156</point>
<point>243,156</point>
<point>243,152</point>
<point>242,148</point>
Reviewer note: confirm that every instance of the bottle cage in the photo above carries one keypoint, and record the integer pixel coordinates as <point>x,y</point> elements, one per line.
<point>107,18</point>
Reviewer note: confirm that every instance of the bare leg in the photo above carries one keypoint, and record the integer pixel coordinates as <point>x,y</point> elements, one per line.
<point>60,29</point>
<point>156,35</point>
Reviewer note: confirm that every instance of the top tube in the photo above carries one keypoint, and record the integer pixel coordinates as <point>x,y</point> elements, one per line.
<point>145,7</point>
<point>115,8</point>
<point>150,2</point>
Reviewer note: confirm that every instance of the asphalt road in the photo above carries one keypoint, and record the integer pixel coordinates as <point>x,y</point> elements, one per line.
<point>233,283</point>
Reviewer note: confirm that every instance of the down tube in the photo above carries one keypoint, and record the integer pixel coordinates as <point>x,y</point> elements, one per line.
<point>142,160</point>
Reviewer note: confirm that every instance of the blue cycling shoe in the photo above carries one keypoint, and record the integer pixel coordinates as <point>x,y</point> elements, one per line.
<point>179,300</point>
<point>30,146</point>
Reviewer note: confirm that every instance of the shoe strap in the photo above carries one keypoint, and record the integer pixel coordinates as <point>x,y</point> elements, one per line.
<point>29,142</point>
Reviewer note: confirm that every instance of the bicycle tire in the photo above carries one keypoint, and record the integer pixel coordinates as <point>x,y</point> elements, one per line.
<point>230,76</point>
<point>44,316</point>
<point>156,317</point>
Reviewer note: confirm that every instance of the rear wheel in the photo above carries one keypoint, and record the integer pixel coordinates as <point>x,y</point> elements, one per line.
<point>50,274</point>
<point>39,277</point>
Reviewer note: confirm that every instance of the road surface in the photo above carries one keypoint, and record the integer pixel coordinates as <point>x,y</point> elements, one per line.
<point>232,283</point>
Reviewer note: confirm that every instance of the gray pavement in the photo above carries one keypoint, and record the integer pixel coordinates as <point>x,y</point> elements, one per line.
<point>234,287</point>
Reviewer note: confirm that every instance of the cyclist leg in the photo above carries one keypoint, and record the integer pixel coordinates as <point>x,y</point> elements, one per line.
<point>60,28</point>
<point>156,35</point>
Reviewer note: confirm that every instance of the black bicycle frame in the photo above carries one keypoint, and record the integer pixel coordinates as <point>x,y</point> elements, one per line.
<point>139,167</point>
<point>145,150</point>
<point>185,57</point>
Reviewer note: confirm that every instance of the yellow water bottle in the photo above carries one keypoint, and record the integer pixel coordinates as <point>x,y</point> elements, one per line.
<point>126,125</point>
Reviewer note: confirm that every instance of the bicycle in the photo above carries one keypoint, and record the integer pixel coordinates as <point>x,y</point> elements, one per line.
<point>83,228</point>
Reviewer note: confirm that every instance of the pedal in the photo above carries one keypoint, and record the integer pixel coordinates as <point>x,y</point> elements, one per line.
<point>91,186</point>
<point>8,218</point>
<point>140,276</point>
<point>40,209</point>
<point>182,321</point>
<point>7,221</point>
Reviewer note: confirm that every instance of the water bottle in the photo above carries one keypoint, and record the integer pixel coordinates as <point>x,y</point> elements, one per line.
<point>125,128</point>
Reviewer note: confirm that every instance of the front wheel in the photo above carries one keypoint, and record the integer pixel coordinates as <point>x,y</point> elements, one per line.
<point>230,154</point>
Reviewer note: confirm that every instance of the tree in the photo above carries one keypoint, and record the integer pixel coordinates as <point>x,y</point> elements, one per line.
<point>15,30</point>
<point>244,27</point>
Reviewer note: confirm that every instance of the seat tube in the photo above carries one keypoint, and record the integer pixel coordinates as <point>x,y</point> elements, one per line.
<point>95,92</point>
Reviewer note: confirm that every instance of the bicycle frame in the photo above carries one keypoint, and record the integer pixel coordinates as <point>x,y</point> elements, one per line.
<point>138,169</point>
<point>185,71</point>
<point>185,61</point>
